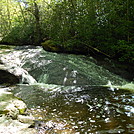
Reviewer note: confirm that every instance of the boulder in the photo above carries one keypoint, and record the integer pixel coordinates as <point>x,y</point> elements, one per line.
<point>9,126</point>
<point>10,105</point>
<point>26,119</point>
<point>13,119</point>
<point>6,77</point>
<point>52,46</point>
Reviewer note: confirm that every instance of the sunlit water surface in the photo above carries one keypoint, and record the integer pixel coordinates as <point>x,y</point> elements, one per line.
<point>86,109</point>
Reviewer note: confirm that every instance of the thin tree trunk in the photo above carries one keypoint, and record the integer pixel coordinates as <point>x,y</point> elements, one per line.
<point>22,12</point>
<point>8,14</point>
<point>37,23</point>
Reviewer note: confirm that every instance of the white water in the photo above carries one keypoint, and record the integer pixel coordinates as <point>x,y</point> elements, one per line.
<point>38,66</point>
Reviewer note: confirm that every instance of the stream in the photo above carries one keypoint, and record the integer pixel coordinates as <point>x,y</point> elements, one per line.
<point>68,91</point>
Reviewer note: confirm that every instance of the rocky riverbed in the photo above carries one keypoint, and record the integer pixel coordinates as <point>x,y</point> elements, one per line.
<point>13,116</point>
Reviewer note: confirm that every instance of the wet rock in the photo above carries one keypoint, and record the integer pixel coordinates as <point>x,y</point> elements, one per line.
<point>20,105</point>
<point>26,119</point>
<point>51,126</point>
<point>6,77</point>
<point>13,74</point>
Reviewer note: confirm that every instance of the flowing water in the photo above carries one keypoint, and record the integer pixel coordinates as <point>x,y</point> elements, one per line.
<point>70,90</point>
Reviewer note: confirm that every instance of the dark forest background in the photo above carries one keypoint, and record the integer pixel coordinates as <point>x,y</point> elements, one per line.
<point>77,26</point>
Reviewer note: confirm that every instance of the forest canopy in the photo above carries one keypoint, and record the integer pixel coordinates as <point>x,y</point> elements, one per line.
<point>75,25</point>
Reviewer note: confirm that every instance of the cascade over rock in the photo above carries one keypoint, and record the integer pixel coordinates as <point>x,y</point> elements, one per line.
<point>39,66</point>
<point>11,71</point>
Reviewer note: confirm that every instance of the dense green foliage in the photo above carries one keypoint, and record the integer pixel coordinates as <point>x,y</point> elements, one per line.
<point>77,25</point>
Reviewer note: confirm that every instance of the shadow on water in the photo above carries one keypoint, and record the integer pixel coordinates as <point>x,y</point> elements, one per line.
<point>87,109</point>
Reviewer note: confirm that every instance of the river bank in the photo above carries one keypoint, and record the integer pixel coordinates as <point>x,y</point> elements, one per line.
<point>13,116</point>
<point>64,94</point>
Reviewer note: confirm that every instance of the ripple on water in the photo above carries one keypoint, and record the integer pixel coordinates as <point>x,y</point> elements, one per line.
<point>89,110</point>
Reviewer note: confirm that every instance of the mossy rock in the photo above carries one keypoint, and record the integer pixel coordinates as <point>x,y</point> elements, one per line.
<point>51,46</point>
<point>10,105</point>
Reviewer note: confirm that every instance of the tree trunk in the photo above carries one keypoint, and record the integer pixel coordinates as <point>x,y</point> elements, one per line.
<point>37,24</point>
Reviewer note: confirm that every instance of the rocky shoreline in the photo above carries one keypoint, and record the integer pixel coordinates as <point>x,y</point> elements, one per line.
<point>16,118</point>
<point>13,116</point>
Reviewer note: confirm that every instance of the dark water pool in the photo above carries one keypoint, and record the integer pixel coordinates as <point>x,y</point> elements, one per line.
<point>88,110</point>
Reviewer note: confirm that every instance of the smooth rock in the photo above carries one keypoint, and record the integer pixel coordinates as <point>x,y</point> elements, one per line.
<point>10,105</point>
<point>9,126</point>
<point>26,119</point>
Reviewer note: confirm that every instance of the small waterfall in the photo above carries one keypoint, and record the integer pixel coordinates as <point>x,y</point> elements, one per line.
<point>39,66</point>
<point>14,62</point>
<point>27,78</point>
<point>67,70</point>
